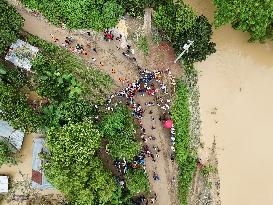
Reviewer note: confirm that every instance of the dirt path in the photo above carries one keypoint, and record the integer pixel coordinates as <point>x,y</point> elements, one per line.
<point>109,56</point>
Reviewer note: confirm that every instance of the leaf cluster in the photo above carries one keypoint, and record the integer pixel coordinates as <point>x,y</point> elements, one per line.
<point>16,110</point>
<point>255,17</point>
<point>137,182</point>
<point>73,167</point>
<point>118,128</point>
<point>10,24</point>
<point>96,14</point>
<point>179,23</point>
<point>6,154</point>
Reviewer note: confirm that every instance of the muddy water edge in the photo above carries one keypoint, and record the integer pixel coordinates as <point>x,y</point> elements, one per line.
<point>236,109</point>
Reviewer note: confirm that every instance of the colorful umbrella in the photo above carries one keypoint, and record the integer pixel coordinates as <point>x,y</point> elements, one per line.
<point>168,124</point>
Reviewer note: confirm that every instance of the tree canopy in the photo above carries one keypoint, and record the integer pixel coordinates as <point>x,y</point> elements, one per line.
<point>180,23</point>
<point>96,14</point>
<point>118,128</point>
<point>73,167</point>
<point>10,24</point>
<point>255,17</point>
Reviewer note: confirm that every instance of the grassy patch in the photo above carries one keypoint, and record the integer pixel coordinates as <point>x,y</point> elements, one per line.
<point>185,154</point>
<point>142,45</point>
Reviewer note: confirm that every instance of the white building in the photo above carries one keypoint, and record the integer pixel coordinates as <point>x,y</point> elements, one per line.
<point>4,184</point>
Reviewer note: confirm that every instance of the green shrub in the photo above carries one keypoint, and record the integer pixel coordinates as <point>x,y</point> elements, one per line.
<point>10,24</point>
<point>6,154</point>
<point>13,76</point>
<point>96,14</point>
<point>200,33</point>
<point>179,23</point>
<point>61,75</point>
<point>118,128</point>
<point>73,167</point>
<point>137,182</point>
<point>185,155</point>
<point>250,16</point>
<point>16,109</point>
<point>142,45</point>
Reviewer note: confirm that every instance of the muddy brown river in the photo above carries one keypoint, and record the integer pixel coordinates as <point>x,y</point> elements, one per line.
<point>236,105</point>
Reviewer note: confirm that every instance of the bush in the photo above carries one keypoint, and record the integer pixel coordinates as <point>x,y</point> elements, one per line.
<point>179,23</point>
<point>73,167</point>
<point>118,128</point>
<point>16,110</point>
<point>142,45</point>
<point>13,76</point>
<point>96,14</point>
<point>136,7</point>
<point>185,155</point>
<point>251,16</point>
<point>201,34</point>
<point>61,75</point>
<point>10,24</point>
<point>6,154</point>
<point>137,182</point>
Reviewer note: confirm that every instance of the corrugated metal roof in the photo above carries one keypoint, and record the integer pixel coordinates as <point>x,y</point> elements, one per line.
<point>21,54</point>
<point>38,177</point>
<point>14,137</point>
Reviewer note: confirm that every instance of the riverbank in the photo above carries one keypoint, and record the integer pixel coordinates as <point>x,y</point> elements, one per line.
<point>236,108</point>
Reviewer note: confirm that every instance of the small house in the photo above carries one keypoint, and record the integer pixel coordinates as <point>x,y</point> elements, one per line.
<point>38,176</point>
<point>12,136</point>
<point>21,54</point>
<point>4,184</point>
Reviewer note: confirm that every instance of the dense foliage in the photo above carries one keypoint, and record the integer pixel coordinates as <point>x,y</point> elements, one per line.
<point>136,7</point>
<point>13,76</point>
<point>61,74</point>
<point>136,182</point>
<point>118,128</point>
<point>70,86</point>
<point>96,14</point>
<point>179,23</point>
<point>10,24</point>
<point>201,34</point>
<point>252,16</point>
<point>73,167</point>
<point>6,154</point>
<point>185,155</point>
<point>16,110</point>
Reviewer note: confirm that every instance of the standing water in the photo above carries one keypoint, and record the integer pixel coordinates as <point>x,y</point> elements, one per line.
<point>236,103</point>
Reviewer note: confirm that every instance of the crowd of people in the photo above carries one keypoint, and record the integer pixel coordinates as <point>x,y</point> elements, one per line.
<point>150,83</point>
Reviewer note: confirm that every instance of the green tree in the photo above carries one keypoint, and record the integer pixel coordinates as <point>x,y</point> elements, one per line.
<point>10,24</point>
<point>251,16</point>
<point>174,19</point>
<point>73,167</point>
<point>6,154</point>
<point>200,33</point>
<point>96,14</point>
<point>16,110</point>
<point>118,128</point>
<point>179,23</point>
<point>137,182</point>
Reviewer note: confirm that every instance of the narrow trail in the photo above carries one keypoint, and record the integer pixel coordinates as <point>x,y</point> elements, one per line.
<point>109,56</point>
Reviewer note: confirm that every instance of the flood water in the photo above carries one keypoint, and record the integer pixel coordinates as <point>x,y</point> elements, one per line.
<point>236,103</point>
